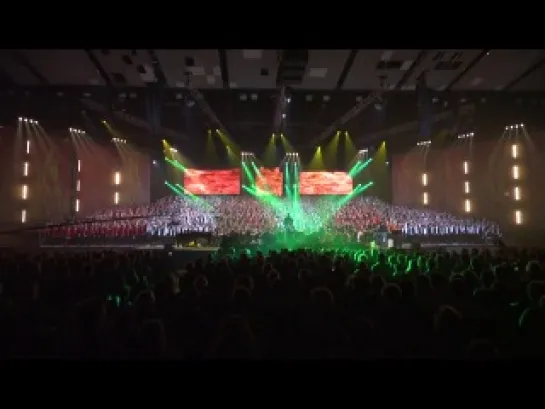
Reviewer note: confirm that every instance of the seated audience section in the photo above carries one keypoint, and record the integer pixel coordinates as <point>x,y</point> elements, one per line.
<point>212,182</point>
<point>270,180</point>
<point>325,183</point>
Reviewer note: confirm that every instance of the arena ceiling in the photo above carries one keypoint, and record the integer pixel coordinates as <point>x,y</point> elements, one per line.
<point>242,87</point>
<point>352,70</point>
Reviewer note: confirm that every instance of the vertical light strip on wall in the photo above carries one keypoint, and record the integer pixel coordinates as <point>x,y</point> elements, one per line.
<point>24,187</point>
<point>424,181</point>
<point>78,187</point>
<point>117,182</point>
<point>467,188</point>
<point>515,175</point>
<point>467,206</point>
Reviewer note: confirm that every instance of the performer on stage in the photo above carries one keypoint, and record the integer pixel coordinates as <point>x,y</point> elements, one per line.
<point>288,223</point>
<point>382,234</point>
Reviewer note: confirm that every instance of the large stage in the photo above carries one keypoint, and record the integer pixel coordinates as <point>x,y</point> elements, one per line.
<point>180,257</point>
<point>198,252</point>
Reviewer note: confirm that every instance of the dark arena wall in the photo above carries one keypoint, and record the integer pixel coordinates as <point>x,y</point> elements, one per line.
<point>11,171</point>
<point>98,166</point>
<point>49,178</point>
<point>64,175</point>
<point>490,176</point>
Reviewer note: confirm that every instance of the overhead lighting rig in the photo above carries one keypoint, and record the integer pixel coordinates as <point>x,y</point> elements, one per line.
<point>28,120</point>
<point>516,126</point>
<point>351,114</point>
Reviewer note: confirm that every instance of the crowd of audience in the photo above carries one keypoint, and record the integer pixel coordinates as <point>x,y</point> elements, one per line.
<point>287,304</point>
<point>226,215</point>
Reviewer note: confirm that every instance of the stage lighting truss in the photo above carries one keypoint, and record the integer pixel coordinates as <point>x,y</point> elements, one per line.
<point>28,120</point>
<point>119,140</point>
<point>423,143</point>
<point>291,157</point>
<point>76,131</point>
<point>247,156</point>
<point>362,154</point>
<point>466,135</point>
<point>516,126</point>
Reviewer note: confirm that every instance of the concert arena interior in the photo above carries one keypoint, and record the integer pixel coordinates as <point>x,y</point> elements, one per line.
<point>272,204</point>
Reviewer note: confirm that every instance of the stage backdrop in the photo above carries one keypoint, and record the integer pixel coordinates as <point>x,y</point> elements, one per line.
<point>325,183</point>
<point>212,182</point>
<point>270,180</point>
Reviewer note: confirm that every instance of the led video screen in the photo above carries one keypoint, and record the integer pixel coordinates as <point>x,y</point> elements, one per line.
<point>212,182</point>
<point>270,180</point>
<point>325,183</point>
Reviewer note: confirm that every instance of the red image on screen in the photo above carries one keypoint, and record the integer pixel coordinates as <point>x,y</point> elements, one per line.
<point>212,182</point>
<point>270,180</point>
<point>325,183</point>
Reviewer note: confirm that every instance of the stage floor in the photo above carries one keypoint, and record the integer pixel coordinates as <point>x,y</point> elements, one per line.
<point>452,246</point>
<point>143,247</point>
